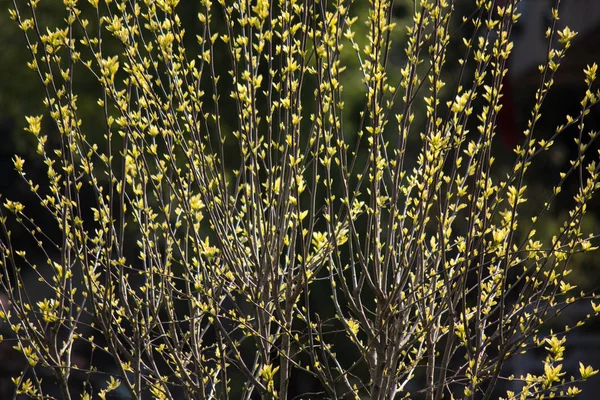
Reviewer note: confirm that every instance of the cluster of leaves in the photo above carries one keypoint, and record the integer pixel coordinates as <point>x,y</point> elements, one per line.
<point>429,282</point>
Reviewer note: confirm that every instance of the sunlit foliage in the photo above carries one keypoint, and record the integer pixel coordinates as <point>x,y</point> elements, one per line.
<point>431,284</point>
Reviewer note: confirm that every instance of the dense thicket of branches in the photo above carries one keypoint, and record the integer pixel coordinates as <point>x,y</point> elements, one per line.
<point>202,272</point>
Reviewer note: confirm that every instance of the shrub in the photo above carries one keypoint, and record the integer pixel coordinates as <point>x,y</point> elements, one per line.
<point>247,234</point>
